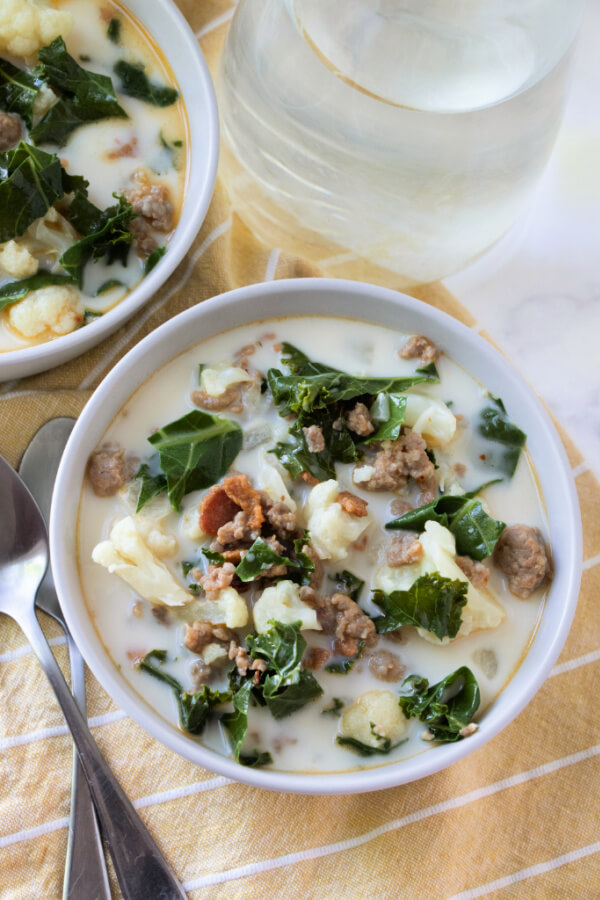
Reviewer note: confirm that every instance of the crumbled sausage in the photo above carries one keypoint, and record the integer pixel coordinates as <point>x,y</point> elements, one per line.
<point>399,459</point>
<point>143,239</point>
<point>314,438</point>
<point>477,573</point>
<point>276,547</point>
<point>124,150</point>
<point>161,614</point>
<point>216,404</point>
<point>360,420</point>
<point>521,555</point>
<point>151,201</point>
<point>238,529</point>
<point>199,635</point>
<point>341,616</point>
<point>201,673</point>
<point>316,579</point>
<point>109,469</point>
<point>309,478</point>
<point>282,520</point>
<point>405,551</point>
<point>386,666</point>
<point>352,504</point>
<point>216,578</point>
<point>315,658</point>
<point>419,347</point>
<point>10,131</point>
<point>240,656</point>
<point>399,506</point>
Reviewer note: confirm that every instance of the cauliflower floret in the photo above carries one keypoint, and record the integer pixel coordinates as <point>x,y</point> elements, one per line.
<point>57,309</point>
<point>431,418</point>
<point>270,481</point>
<point>282,602</point>
<point>214,653</point>
<point>45,99</point>
<point>150,521</point>
<point>439,551</point>
<point>16,260</point>
<point>216,379</point>
<point>332,529</point>
<point>373,715</point>
<point>27,25</point>
<point>228,608</point>
<point>127,555</point>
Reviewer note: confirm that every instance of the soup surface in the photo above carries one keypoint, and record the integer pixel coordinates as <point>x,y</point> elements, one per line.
<point>270,460</point>
<point>93,142</point>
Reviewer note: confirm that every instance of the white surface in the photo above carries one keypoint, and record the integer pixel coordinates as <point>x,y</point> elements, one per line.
<point>166,23</point>
<point>342,298</point>
<point>538,292</point>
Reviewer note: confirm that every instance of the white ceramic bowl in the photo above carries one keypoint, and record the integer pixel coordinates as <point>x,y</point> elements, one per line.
<point>384,307</point>
<point>173,34</point>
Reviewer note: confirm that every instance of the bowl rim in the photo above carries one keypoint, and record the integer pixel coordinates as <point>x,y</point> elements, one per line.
<point>506,706</point>
<point>65,347</point>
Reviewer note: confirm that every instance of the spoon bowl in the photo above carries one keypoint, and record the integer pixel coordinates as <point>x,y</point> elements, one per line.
<point>141,869</point>
<point>23,543</point>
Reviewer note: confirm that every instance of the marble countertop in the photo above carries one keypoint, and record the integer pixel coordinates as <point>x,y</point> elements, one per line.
<point>537,292</point>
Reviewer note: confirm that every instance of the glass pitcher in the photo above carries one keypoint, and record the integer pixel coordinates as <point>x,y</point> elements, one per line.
<point>405,133</point>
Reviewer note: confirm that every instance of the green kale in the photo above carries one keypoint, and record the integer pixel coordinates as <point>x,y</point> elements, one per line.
<point>447,707</point>
<point>433,602</point>
<point>18,90</point>
<point>108,286</point>
<point>495,426</point>
<point>195,452</point>
<point>258,559</point>
<point>106,234</point>
<point>214,558</point>
<point>135,83</point>
<point>384,744</point>
<point>154,258</point>
<point>84,96</point>
<point>295,456</point>
<point>194,708</point>
<point>347,583</point>
<point>153,483</point>
<point>390,425</point>
<point>303,560</point>
<point>16,290</point>
<point>113,32</point>
<point>31,181</point>
<point>476,533</point>
<point>335,709</point>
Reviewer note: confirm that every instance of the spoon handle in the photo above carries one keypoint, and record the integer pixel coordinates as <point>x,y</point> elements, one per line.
<point>85,857</point>
<point>141,869</point>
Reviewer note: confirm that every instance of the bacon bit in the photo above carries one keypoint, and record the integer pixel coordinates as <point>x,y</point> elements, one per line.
<point>216,509</point>
<point>352,504</point>
<point>482,456</point>
<point>361,543</point>
<point>309,479</point>
<point>129,149</point>
<point>234,556</point>
<point>241,492</point>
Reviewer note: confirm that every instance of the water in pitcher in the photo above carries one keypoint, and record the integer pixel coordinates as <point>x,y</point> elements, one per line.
<point>405,133</point>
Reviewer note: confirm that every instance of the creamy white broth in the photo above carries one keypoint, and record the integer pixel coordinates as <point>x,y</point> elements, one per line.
<point>305,741</point>
<point>89,148</point>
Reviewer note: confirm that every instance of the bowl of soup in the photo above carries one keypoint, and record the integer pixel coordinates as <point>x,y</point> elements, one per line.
<point>108,154</point>
<point>317,536</point>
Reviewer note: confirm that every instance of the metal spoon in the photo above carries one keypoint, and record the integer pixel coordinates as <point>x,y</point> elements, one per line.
<point>141,869</point>
<point>85,864</point>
